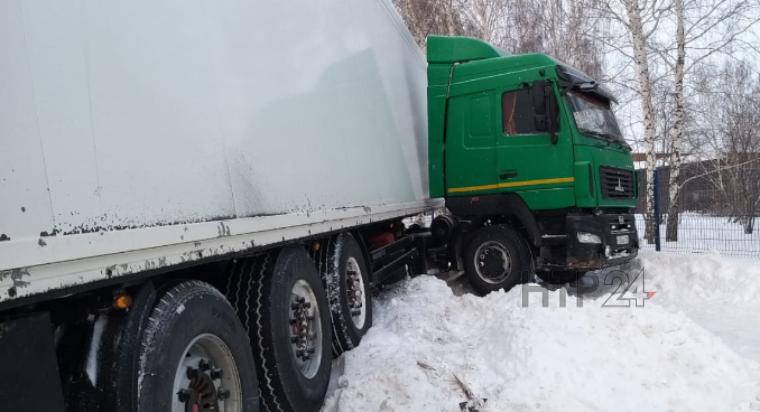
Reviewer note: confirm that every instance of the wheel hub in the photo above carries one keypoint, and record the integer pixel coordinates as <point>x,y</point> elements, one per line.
<point>206,378</point>
<point>492,262</point>
<point>355,293</point>
<point>301,322</point>
<point>202,394</point>
<point>305,328</point>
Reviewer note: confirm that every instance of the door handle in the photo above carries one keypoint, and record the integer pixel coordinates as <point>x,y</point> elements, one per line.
<point>507,174</point>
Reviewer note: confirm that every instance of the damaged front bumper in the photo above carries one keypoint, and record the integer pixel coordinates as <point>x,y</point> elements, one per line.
<point>595,242</point>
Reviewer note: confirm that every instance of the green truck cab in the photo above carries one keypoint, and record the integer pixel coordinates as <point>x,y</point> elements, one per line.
<point>529,158</point>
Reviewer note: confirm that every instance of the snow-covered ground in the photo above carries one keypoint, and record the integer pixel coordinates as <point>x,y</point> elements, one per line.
<point>693,346</point>
<point>721,294</point>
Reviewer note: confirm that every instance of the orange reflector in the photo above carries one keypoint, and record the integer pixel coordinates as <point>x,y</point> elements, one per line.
<point>122,301</point>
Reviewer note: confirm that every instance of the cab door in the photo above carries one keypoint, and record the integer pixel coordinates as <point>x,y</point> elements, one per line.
<point>530,159</point>
<point>470,150</point>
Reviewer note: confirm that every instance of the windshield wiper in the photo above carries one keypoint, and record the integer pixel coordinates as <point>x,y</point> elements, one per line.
<point>607,137</point>
<point>599,134</point>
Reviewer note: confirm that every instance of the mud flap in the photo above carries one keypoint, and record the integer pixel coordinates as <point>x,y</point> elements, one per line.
<point>29,378</point>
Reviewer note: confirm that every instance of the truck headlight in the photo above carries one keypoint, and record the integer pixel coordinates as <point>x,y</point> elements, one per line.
<point>584,237</point>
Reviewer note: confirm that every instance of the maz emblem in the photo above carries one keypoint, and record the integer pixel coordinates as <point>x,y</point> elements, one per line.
<point>619,187</point>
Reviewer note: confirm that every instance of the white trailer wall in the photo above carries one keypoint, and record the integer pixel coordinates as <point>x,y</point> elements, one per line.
<point>125,126</point>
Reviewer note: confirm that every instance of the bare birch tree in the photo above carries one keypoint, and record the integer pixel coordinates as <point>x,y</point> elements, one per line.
<point>731,134</point>
<point>678,123</point>
<point>640,19</point>
<point>703,30</point>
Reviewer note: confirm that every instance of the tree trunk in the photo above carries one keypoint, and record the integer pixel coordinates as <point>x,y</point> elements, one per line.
<point>645,85</point>
<point>674,188</point>
<point>671,227</point>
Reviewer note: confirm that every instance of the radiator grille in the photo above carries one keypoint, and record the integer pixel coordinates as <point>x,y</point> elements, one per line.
<point>616,183</point>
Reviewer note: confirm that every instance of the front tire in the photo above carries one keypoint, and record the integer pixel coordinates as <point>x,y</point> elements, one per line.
<point>496,258</point>
<point>195,354</point>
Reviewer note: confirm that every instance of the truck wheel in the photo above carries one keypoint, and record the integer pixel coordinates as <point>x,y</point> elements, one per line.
<point>496,258</point>
<point>560,277</point>
<point>291,320</point>
<point>195,354</point>
<point>346,282</point>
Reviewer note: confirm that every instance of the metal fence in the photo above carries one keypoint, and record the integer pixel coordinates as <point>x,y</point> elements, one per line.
<point>698,233</point>
<point>712,218</point>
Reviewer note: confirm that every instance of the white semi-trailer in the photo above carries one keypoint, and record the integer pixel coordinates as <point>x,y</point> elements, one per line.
<point>196,197</point>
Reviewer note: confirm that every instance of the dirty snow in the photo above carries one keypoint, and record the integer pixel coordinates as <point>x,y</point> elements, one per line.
<point>430,350</point>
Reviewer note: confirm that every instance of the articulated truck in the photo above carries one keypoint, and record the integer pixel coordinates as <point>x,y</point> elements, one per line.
<point>199,200</point>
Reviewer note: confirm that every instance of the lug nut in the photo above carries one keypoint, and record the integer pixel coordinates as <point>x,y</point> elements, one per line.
<point>192,373</point>
<point>183,395</point>
<point>203,365</point>
<point>216,374</point>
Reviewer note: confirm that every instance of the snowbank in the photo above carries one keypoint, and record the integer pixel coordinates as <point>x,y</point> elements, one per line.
<point>721,294</point>
<point>425,339</point>
<point>707,279</point>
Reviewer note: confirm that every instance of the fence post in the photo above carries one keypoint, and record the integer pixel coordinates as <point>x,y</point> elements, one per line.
<point>657,216</point>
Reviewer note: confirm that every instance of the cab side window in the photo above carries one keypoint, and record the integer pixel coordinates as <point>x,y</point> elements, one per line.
<point>519,113</point>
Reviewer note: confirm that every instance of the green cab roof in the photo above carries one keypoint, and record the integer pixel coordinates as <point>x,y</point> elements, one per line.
<point>480,56</point>
<point>457,49</point>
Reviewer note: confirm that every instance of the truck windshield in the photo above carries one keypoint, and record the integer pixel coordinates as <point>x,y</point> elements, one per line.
<point>593,116</point>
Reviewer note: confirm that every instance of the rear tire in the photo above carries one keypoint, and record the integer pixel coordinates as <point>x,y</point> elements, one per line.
<point>497,257</point>
<point>347,283</point>
<point>271,292</point>
<point>192,326</point>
